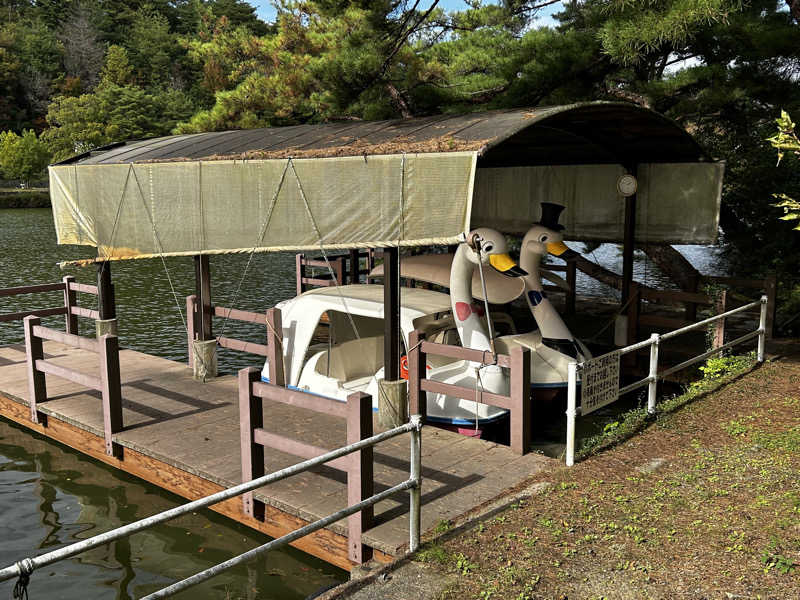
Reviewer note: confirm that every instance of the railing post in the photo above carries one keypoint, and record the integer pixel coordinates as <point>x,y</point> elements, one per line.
<point>277,372</point>
<point>520,422</point>
<point>70,300</point>
<point>251,417</point>
<point>762,328</point>
<point>571,296</point>
<point>298,270</point>
<point>415,493</point>
<point>417,399</point>
<point>355,266</point>
<point>771,289</point>
<point>111,392</point>
<point>720,305</point>
<point>572,392</point>
<point>37,387</point>
<point>191,308</point>
<point>360,481</point>
<point>652,387</point>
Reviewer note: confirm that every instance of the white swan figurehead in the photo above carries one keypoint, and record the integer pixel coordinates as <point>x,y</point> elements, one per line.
<point>486,247</point>
<point>545,237</point>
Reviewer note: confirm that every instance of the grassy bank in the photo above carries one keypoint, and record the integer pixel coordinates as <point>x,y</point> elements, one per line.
<point>704,502</point>
<point>24,198</point>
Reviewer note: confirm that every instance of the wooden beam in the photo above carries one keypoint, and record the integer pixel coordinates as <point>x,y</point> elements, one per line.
<point>360,479</point>
<point>629,243</point>
<point>70,300</point>
<point>251,419</point>
<point>111,390</point>
<point>391,314</point>
<point>34,352</point>
<point>202,281</point>
<point>105,292</point>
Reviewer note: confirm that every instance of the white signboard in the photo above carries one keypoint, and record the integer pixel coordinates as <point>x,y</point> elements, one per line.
<point>599,382</point>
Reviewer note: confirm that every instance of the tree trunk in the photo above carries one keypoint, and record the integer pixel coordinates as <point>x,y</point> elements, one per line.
<point>674,265</point>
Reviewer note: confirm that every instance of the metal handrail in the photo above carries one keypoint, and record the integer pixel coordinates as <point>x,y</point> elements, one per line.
<point>653,375</point>
<point>26,566</point>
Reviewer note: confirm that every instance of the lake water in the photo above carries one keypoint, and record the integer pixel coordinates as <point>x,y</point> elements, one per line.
<point>51,496</point>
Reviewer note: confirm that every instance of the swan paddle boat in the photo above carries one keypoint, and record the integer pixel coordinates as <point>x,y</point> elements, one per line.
<point>350,357</point>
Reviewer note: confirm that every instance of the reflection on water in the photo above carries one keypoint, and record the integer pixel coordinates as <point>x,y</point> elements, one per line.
<point>51,496</point>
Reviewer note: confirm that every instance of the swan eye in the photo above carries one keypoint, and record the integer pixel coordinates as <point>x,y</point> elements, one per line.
<point>488,248</point>
<point>543,238</point>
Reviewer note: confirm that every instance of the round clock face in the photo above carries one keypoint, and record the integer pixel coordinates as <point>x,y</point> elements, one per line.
<point>626,185</point>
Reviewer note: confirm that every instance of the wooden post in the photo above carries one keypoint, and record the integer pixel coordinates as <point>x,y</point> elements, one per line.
<point>70,300</point>
<point>719,326</point>
<point>251,417</point>
<point>277,372</point>
<point>691,307</point>
<point>360,481</point>
<point>111,391</point>
<point>338,269</point>
<point>37,387</point>
<point>417,398</point>
<point>520,400</point>
<point>355,266</point>
<point>634,309</point>
<point>299,271</point>
<point>105,292</point>
<point>191,309</point>
<point>771,290</point>
<point>391,313</point>
<point>202,280</point>
<point>572,293</point>
<point>629,242</point>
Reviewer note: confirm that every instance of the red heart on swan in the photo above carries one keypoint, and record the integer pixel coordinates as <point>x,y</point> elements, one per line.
<point>464,310</point>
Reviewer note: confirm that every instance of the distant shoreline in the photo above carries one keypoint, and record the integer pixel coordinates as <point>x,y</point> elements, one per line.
<point>36,198</point>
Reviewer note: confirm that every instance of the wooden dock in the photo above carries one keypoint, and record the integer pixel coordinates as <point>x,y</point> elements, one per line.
<point>184,436</point>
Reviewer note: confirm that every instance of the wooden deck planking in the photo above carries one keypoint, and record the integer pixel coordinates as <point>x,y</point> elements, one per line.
<point>193,427</point>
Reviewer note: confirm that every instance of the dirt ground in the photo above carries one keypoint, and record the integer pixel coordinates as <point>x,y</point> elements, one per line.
<point>703,504</point>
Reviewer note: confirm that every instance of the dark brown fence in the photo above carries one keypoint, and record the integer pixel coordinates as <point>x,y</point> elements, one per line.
<point>518,403</point>
<point>108,383</point>
<point>346,269</point>
<point>254,439</point>
<point>69,309</point>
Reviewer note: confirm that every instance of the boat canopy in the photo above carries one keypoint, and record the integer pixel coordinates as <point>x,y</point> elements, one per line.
<point>405,182</point>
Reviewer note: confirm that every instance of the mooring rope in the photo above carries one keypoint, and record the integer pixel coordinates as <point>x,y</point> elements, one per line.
<point>20,591</point>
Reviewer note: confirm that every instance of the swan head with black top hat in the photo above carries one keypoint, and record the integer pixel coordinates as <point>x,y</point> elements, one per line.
<point>546,237</point>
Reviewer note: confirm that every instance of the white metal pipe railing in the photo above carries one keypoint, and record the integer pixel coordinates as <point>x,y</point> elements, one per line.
<point>26,566</point>
<point>651,381</point>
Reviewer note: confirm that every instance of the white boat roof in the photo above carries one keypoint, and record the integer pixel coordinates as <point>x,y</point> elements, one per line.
<point>367,299</point>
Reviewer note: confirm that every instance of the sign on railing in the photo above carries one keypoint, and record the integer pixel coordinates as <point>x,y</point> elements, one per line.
<point>599,381</point>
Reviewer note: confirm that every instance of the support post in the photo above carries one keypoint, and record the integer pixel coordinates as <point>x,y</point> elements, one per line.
<point>70,300</point>
<point>277,372</point>
<point>251,417</point>
<point>762,329</point>
<point>572,393</point>
<point>355,266</point>
<point>571,296</point>
<point>719,326</point>
<point>360,481</point>
<point>652,387</point>
<point>37,387</point>
<point>111,392</point>
<point>391,313</point>
<point>629,241</point>
<point>298,270</point>
<point>392,403</point>
<point>105,292</point>
<point>202,280</point>
<point>417,398</point>
<point>415,493</point>
<point>191,308</point>
<point>520,400</point>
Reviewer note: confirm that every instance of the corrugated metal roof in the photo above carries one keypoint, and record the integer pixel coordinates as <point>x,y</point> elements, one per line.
<point>596,132</point>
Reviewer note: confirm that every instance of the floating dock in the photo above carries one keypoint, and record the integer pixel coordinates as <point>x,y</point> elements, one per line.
<point>184,436</point>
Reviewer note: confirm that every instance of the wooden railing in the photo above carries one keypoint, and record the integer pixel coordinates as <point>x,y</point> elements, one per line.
<point>346,269</point>
<point>108,383</point>
<point>69,309</point>
<point>254,438</point>
<point>270,319</point>
<point>518,402</point>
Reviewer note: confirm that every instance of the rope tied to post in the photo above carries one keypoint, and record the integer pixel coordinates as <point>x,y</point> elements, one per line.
<point>25,567</point>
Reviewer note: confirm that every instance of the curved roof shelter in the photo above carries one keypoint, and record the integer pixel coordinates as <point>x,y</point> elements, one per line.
<point>384,183</point>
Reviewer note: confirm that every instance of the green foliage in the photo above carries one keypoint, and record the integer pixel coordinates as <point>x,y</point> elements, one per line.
<point>786,141</point>
<point>117,69</point>
<point>717,368</point>
<point>22,157</point>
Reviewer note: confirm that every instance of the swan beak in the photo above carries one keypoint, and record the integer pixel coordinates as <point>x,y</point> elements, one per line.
<point>506,265</point>
<point>561,250</point>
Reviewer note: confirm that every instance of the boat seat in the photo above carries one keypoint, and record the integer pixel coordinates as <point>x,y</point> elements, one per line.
<point>353,359</point>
